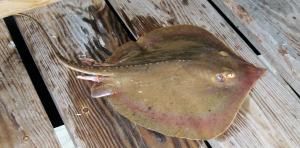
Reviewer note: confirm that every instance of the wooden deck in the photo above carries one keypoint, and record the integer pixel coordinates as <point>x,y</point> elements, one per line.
<point>24,122</point>
<point>270,117</point>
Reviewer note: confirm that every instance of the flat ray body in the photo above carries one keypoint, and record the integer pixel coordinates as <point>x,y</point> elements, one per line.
<point>180,81</point>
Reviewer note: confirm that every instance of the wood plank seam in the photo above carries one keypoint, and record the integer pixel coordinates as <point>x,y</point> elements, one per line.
<point>235,28</point>
<point>23,121</point>
<point>33,72</point>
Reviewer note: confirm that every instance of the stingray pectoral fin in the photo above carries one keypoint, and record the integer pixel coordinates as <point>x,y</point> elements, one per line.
<point>125,52</point>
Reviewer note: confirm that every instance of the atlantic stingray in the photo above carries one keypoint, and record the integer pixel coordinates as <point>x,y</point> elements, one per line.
<point>180,81</point>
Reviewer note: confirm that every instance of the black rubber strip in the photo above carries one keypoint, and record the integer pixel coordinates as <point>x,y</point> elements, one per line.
<point>33,72</point>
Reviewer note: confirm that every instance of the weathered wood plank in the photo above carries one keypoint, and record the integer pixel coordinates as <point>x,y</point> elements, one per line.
<point>270,117</point>
<point>84,26</point>
<point>23,121</point>
<point>9,7</point>
<point>272,26</point>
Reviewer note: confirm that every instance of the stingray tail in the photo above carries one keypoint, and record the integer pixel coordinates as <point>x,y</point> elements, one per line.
<point>93,70</point>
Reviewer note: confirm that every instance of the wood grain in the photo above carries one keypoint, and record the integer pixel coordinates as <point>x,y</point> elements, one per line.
<point>23,121</point>
<point>272,26</point>
<point>84,26</point>
<point>9,7</point>
<point>270,117</point>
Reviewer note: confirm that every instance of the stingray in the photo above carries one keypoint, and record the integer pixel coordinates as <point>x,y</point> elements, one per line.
<point>180,81</point>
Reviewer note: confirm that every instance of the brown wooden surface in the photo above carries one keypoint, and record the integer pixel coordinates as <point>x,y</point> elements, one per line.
<point>23,121</point>
<point>272,26</point>
<point>270,116</point>
<point>84,26</point>
<point>9,7</point>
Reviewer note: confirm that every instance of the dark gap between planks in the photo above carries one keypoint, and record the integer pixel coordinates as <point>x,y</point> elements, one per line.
<point>119,19</point>
<point>33,72</point>
<point>132,37</point>
<point>292,88</point>
<point>243,37</point>
<point>234,27</point>
<point>207,144</point>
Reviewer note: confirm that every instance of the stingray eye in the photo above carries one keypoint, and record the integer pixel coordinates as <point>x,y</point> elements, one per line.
<point>223,53</point>
<point>224,76</point>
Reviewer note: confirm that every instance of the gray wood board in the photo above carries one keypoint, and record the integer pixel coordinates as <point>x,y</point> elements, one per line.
<point>23,120</point>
